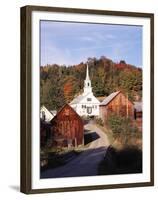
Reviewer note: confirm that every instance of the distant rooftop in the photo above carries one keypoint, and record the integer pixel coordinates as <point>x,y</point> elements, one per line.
<point>138,106</point>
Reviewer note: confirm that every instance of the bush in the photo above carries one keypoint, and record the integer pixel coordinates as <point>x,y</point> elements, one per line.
<point>122,128</point>
<point>99,121</point>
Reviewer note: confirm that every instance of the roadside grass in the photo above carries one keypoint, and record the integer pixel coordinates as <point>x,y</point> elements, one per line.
<point>124,155</point>
<point>55,157</point>
<point>123,134</point>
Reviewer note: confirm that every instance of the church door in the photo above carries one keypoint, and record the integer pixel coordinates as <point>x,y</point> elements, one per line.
<point>89,110</point>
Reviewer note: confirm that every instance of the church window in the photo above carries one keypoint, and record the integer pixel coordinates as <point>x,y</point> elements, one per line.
<point>89,99</point>
<point>88,84</point>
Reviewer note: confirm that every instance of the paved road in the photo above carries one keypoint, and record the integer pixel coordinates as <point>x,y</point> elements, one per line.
<point>86,163</point>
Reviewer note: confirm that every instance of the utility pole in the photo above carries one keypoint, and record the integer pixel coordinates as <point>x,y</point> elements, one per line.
<point>127,105</point>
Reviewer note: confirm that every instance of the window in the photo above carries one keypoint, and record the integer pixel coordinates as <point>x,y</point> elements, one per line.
<point>89,99</point>
<point>43,115</point>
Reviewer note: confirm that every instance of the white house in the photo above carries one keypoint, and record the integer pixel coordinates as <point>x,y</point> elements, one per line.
<point>86,104</point>
<point>46,115</point>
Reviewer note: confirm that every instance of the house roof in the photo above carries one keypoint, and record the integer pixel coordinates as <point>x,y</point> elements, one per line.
<point>43,107</point>
<point>109,98</point>
<point>51,115</point>
<point>138,106</point>
<point>78,99</point>
<point>53,112</point>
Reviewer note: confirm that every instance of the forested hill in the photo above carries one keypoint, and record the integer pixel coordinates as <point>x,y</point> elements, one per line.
<point>60,84</point>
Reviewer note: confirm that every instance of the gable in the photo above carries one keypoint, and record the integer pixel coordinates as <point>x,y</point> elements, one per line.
<point>77,99</point>
<point>90,98</point>
<point>48,114</point>
<point>67,112</point>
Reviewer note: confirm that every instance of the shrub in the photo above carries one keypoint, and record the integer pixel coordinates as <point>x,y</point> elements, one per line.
<point>99,121</point>
<point>122,128</point>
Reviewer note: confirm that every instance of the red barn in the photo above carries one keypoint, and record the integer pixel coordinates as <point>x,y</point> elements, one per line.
<point>117,103</point>
<point>67,128</point>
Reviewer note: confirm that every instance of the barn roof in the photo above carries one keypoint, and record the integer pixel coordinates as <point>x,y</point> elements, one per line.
<point>138,106</point>
<point>109,98</point>
<point>63,107</point>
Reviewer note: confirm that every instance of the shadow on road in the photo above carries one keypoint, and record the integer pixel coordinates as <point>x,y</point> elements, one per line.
<point>90,137</point>
<point>125,161</point>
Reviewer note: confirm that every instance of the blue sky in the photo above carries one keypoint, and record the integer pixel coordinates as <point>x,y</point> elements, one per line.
<point>72,43</point>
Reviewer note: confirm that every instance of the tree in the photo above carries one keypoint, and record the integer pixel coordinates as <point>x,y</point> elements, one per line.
<point>131,82</point>
<point>122,127</point>
<point>52,95</point>
<point>60,84</point>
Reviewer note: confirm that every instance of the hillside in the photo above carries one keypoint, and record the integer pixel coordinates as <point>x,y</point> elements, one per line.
<point>59,84</point>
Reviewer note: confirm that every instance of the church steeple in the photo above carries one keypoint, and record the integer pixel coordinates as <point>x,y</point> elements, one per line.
<point>87,73</point>
<point>87,83</point>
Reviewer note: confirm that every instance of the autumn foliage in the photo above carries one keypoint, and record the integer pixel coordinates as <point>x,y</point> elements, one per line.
<point>59,84</point>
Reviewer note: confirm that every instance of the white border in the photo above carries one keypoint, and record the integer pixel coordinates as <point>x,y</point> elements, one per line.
<point>38,183</point>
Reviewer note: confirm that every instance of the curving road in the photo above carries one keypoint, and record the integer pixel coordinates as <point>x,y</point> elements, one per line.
<point>86,163</point>
<point>102,141</point>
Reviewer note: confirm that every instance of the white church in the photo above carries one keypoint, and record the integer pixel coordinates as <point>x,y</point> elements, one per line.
<point>86,104</point>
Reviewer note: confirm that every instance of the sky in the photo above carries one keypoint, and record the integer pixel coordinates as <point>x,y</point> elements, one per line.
<point>66,43</point>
